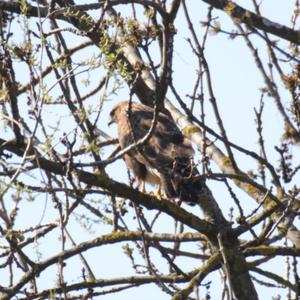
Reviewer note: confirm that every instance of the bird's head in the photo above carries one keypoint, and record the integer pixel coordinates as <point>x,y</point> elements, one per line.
<point>112,116</point>
<point>117,111</point>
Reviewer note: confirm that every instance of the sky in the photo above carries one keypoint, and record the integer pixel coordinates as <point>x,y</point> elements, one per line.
<point>237,85</point>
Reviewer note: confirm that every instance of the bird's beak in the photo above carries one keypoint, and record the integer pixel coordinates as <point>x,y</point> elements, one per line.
<point>110,121</point>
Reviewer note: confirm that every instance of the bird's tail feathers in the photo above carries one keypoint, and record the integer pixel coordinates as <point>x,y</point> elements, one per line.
<point>168,187</point>
<point>188,190</point>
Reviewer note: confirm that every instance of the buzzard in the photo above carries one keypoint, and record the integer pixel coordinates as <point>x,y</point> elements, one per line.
<point>165,159</point>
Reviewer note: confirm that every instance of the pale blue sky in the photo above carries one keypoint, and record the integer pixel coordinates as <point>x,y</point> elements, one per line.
<point>236,84</point>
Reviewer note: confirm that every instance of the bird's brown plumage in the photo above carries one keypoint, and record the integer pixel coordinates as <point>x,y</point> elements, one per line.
<point>165,159</point>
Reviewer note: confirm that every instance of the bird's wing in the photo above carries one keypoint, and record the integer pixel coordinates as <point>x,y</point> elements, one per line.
<point>166,144</point>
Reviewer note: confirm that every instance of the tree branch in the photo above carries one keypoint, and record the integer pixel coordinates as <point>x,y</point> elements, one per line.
<point>251,19</point>
<point>111,238</point>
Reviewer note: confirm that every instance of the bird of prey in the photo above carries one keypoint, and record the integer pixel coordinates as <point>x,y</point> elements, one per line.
<point>165,159</point>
